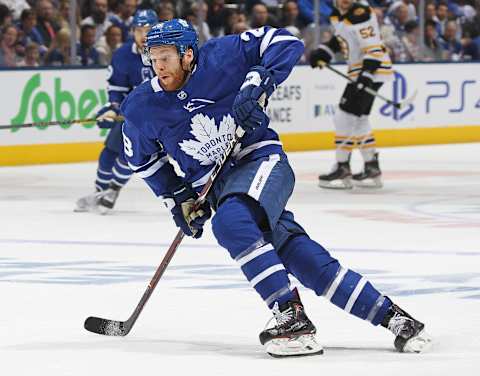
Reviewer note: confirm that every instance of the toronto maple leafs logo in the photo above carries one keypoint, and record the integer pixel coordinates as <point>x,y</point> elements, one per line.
<point>210,142</point>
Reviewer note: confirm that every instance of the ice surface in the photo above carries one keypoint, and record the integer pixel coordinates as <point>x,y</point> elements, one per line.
<point>418,240</point>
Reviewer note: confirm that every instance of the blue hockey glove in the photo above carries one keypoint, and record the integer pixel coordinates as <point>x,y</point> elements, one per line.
<point>251,100</point>
<point>106,116</point>
<point>181,205</point>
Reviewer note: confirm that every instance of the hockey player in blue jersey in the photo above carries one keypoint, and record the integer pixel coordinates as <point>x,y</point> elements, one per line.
<point>126,72</point>
<point>189,112</point>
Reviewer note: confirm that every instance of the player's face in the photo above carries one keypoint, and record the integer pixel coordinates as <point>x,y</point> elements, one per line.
<point>140,35</point>
<point>344,5</point>
<point>171,71</point>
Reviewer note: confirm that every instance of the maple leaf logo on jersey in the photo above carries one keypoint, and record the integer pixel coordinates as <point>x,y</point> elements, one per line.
<point>210,142</point>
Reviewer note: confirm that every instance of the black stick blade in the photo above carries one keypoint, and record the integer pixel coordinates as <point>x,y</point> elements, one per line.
<point>106,327</point>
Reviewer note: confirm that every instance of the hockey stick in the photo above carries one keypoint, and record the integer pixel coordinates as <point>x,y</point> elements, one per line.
<point>370,91</point>
<point>122,328</point>
<point>57,122</point>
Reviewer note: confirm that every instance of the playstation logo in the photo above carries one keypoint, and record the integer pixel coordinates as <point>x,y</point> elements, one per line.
<point>399,94</point>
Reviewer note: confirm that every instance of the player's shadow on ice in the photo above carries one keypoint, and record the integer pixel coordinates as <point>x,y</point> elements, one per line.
<point>186,347</point>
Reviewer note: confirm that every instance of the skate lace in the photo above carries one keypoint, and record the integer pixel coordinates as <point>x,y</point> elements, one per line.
<point>279,316</point>
<point>397,323</point>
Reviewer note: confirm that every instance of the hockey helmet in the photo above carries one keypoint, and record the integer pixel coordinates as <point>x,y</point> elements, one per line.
<point>144,17</point>
<point>176,32</point>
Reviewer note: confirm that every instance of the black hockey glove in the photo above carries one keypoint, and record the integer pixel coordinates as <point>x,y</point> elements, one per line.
<point>319,58</point>
<point>364,80</point>
<point>107,116</point>
<point>181,205</point>
<point>251,100</point>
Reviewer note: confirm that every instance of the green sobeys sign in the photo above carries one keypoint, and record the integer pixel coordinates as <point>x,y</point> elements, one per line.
<point>43,108</point>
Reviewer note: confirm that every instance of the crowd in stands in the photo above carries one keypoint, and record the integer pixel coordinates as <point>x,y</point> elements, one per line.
<point>38,32</point>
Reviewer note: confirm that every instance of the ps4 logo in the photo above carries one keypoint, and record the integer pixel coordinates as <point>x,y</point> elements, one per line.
<point>399,93</point>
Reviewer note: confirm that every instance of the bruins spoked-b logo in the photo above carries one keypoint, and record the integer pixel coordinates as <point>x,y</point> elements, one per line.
<point>210,141</point>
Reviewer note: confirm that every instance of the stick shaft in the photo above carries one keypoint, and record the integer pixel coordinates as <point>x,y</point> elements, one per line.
<point>56,122</point>
<point>180,235</point>
<point>367,89</point>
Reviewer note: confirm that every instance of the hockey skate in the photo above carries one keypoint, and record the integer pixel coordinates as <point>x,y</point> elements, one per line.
<point>371,176</point>
<point>339,178</point>
<point>107,200</point>
<point>88,203</point>
<point>294,333</point>
<point>410,335</point>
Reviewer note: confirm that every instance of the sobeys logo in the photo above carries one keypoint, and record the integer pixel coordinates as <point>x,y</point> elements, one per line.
<point>63,106</point>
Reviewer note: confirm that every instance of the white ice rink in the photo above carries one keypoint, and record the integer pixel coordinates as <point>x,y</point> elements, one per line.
<point>417,240</point>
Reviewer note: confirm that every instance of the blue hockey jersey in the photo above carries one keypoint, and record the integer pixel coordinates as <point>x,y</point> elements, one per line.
<point>126,72</point>
<point>194,124</point>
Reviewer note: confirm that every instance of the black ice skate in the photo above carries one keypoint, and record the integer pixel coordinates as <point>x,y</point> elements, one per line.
<point>410,336</point>
<point>371,176</point>
<point>294,333</point>
<point>108,198</point>
<point>339,178</point>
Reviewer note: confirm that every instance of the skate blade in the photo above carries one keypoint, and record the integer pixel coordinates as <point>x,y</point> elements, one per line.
<point>303,345</point>
<point>336,184</point>
<point>103,210</point>
<point>369,183</point>
<point>418,344</point>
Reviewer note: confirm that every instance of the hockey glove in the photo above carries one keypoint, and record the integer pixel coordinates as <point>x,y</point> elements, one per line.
<point>320,57</point>
<point>251,100</point>
<point>181,205</point>
<point>107,116</point>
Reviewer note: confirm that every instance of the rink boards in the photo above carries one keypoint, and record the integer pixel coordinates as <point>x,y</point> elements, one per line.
<point>446,110</point>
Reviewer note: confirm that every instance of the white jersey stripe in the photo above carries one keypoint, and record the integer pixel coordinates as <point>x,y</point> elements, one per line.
<point>153,168</point>
<point>135,168</point>
<point>356,292</point>
<point>283,38</point>
<point>336,282</point>
<point>262,175</point>
<point>119,175</point>
<point>266,273</point>
<point>118,88</point>
<point>248,149</point>
<point>254,254</point>
<point>266,40</point>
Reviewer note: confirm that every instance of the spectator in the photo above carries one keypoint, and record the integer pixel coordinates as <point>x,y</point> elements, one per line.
<point>5,16</point>
<point>165,11</point>
<point>430,11</point>
<point>412,11</point>
<point>234,16</point>
<point>194,15</point>
<point>86,53</point>
<point>411,40</point>
<point>98,19</point>
<point>124,16</point>
<point>60,54</point>
<point>239,27</point>
<point>8,41</point>
<point>305,8</point>
<point>441,17</point>
<point>46,24</point>
<point>29,32</point>
<point>16,6</point>
<point>216,17</point>
<point>108,44</point>
<point>260,17</point>
<point>32,56</point>
<point>398,18</point>
<point>450,43</point>
<point>290,14</point>
<point>63,17</point>
<point>433,50</point>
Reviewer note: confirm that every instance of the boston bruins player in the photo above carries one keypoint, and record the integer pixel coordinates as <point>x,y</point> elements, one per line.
<point>357,35</point>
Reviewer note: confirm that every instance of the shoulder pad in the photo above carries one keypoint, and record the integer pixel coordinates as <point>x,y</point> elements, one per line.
<point>358,13</point>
